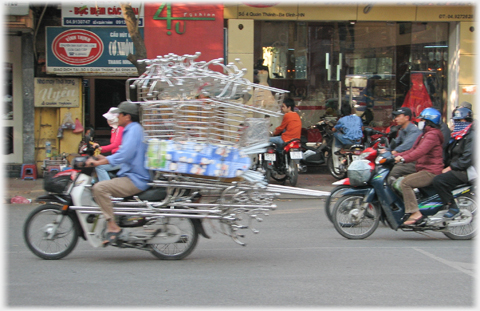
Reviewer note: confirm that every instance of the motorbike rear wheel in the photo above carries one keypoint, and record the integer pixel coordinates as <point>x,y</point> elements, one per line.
<point>41,223</point>
<point>278,172</point>
<point>268,171</point>
<point>333,165</point>
<point>292,172</point>
<point>186,237</point>
<point>467,206</point>
<point>352,220</point>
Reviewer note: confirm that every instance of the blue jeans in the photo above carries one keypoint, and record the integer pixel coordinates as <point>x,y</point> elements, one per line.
<point>277,140</point>
<point>102,171</point>
<point>340,140</point>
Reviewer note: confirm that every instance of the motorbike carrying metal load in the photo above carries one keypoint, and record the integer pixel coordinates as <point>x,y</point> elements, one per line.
<point>201,133</point>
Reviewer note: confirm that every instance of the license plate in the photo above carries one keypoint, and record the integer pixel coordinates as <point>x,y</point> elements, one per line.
<point>295,155</point>
<point>269,156</point>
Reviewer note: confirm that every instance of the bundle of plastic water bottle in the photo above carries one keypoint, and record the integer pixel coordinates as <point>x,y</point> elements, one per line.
<point>198,120</point>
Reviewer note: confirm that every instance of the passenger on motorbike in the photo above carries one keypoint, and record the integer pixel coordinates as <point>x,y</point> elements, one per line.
<point>115,142</point>
<point>133,177</point>
<point>407,135</point>
<point>349,128</point>
<point>290,128</point>
<point>427,152</point>
<point>459,158</point>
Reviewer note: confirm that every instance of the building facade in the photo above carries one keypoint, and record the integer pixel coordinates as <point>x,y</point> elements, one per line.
<point>376,56</point>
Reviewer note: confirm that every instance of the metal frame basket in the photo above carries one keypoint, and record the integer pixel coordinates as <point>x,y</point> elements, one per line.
<point>196,117</point>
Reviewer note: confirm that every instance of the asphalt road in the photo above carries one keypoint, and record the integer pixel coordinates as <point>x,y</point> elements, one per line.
<point>297,260</point>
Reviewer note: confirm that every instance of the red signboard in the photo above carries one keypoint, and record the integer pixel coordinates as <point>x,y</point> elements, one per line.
<point>184,29</point>
<point>77,47</point>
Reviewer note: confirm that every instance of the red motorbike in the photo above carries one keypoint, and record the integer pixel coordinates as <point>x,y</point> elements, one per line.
<point>282,166</point>
<point>368,154</point>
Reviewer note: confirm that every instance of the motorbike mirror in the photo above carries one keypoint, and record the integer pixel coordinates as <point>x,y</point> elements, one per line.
<point>89,133</point>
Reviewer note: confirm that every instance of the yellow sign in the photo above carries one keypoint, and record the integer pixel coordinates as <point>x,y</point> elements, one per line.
<point>327,12</point>
<point>349,12</point>
<point>446,13</point>
<point>374,12</point>
<point>57,92</point>
<point>277,12</point>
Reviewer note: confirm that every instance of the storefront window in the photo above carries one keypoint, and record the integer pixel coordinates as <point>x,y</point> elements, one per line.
<point>371,65</point>
<point>284,50</point>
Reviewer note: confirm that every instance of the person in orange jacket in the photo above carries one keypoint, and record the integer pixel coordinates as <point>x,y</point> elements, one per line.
<point>291,126</point>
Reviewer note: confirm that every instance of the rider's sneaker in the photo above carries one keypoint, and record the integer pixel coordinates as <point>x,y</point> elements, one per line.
<point>453,211</point>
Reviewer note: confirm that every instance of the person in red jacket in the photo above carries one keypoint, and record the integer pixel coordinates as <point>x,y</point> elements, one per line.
<point>115,142</point>
<point>427,151</point>
<point>291,126</point>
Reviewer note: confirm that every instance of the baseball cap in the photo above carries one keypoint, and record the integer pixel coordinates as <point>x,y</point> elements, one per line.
<point>109,115</point>
<point>403,110</point>
<point>466,105</point>
<point>126,108</point>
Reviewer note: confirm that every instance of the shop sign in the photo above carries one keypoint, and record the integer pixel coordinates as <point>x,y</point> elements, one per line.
<point>332,11</point>
<point>273,12</point>
<point>98,14</point>
<point>376,12</point>
<point>57,92</point>
<point>97,51</point>
<point>446,13</point>
<point>77,47</point>
<point>184,29</point>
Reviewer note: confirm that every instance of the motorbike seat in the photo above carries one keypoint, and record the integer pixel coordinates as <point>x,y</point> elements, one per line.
<point>294,139</point>
<point>352,146</point>
<point>429,190</point>
<point>151,194</point>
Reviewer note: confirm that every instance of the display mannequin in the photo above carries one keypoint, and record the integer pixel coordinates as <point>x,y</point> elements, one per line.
<point>264,98</point>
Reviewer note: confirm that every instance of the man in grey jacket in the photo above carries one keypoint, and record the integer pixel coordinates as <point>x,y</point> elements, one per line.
<point>407,135</point>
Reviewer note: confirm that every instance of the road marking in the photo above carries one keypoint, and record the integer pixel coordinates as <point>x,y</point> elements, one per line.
<point>454,265</point>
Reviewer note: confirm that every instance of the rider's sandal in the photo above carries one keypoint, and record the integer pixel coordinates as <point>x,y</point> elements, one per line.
<point>416,221</point>
<point>111,237</point>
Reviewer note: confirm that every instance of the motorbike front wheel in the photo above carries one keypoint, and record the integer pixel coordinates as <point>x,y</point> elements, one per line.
<point>354,219</point>
<point>49,234</point>
<point>333,164</point>
<point>335,194</point>
<point>468,208</point>
<point>180,236</point>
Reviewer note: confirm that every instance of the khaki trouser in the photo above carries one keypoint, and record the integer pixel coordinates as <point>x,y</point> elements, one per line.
<point>117,187</point>
<point>415,180</point>
<point>400,169</point>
